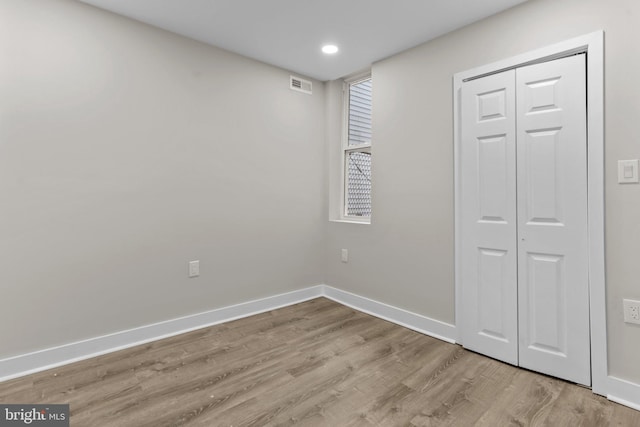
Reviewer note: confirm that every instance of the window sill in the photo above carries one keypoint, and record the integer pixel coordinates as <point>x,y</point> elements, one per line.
<point>352,221</point>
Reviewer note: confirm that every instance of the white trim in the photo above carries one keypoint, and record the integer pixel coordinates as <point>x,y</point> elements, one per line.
<point>358,76</point>
<point>425,325</point>
<point>595,177</point>
<point>352,220</point>
<point>593,45</point>
<point>624,392</point>
<point>344,142</point>
<point>620,391</point>
<point>37,361</point>
<point>49,358</point>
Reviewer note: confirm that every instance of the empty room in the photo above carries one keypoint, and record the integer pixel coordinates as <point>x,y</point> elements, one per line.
<point>323,212</point>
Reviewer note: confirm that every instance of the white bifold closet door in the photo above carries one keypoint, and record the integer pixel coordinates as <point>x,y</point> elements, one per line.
<point>488,213</point>
<point>525,288</point>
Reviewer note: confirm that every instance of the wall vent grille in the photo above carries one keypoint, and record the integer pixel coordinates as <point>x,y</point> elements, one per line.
<point>301,85</point>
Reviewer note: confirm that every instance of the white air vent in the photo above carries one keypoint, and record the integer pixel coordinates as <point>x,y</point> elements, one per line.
<point>296,83</point>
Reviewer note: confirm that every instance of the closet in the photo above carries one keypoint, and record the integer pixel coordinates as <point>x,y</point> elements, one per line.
<point>523,218</point>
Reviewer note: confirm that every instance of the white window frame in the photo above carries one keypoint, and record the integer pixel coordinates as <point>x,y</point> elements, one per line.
<point>346,149</point>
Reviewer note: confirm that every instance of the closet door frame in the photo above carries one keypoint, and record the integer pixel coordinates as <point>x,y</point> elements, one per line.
<point>593,45</point>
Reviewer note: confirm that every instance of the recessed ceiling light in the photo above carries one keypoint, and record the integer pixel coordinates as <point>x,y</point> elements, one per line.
<point>330,49</point>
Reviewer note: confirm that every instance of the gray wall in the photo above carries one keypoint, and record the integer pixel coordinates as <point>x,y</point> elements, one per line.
<point>125,152</point>
<point>405,257</point>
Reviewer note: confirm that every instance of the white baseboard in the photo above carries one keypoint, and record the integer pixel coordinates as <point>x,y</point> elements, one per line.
<point>41,360</point>
<point>624,392</point>
<point>618,390</point>
<point>49,358</point>
<point>425,325</point>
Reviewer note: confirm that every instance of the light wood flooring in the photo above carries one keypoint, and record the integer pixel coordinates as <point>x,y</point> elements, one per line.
<point>318,364</point>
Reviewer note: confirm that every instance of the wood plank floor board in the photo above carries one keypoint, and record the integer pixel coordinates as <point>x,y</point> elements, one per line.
<point>575,406</point>
<point>316,384</point>
<point>527,400</point>
<point>317,363</point>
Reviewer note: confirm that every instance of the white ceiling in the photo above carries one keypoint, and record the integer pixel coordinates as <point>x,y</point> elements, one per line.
<point>290,33</point>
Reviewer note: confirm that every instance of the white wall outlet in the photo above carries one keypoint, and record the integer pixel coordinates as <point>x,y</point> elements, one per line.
<point>631,311</point>
<point>345,255</point>
<point>194,268</point>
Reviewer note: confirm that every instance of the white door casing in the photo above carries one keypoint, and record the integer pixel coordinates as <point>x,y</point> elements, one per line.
<point>489,266</point>
<point>553,282</point>
<point>524,245</point>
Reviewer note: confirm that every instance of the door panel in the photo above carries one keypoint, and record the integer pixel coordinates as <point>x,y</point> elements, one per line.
<point>553,287</point>
<point>543,204</point>
<point>489,263</point>
<point>492,286</point>
<point>492,178</point>
<point>546,299</point>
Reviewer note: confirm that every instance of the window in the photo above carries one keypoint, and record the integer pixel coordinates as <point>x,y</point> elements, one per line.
<point>356,150</point>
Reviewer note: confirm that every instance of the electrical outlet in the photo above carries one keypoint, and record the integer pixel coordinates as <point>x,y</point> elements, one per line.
<point>345,255</point>
<point>631,311</point>
<point>194,268</point>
